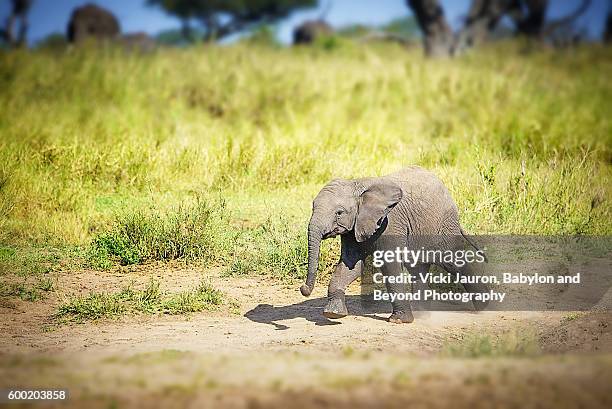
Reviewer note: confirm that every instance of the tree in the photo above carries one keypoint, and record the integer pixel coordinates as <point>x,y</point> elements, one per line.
<point>564,23</point>
<point>437,34</point>
<point>19,11</point>
<point>220,18</point>
<point>607,36</point>
<point>482,18</point>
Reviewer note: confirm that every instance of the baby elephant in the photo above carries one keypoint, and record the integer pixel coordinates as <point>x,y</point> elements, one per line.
<point>382,213</point>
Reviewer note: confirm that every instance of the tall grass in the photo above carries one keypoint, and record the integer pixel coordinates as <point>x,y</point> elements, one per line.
<point>276,248</point>
<point>187,232</point>
<point>524,142</point>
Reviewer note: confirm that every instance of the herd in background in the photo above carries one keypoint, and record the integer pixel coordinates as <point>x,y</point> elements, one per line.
<point>94,22</point>
<point>482,22</point>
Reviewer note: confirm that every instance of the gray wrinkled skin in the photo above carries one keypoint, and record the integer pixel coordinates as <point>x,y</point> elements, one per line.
<point>380,213</point>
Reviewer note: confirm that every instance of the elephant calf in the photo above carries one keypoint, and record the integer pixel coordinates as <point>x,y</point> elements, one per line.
<point>381,213</point>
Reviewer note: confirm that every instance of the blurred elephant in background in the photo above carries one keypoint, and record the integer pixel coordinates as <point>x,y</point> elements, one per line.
<point>382,213</point>
<point>91,21</point>
<point>309,31</point>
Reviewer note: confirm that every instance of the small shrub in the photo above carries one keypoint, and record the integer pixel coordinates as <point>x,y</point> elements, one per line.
<point>115,244</point>
<point>28,261</point>
<point>182,233</point>
<point>92,307</point>
<point>45,284</point>
<point>25,291</point>
<point>20,290</point>
<point>150,300</point>
<point>201,298</point>
<point>476,345</point>
<point>238,267</point>
<point>98,257</point>
<point>571,317</point>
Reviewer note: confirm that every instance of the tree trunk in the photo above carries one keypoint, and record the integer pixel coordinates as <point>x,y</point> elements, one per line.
<point>212,26</point>
<point>532,23</point>
<point>564,23</point>
<point>9,31</point>
<point>19,12</point>
<point>607,37</point>
<point>437,34</point>
<point>23,31</point>
<point>482,18</point>
<point>186,30</point>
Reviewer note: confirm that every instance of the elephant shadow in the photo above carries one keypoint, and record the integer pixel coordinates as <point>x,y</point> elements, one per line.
<point>312,310</point>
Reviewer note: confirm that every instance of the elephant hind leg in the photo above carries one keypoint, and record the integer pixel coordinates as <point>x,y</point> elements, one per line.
<point>419,287</point>
<point>470,287</point>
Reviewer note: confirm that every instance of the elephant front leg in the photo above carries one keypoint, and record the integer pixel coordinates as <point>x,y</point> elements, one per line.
<point>343,275</point>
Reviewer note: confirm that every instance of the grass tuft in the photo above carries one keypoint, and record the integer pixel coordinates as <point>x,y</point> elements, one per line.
<point>203,297</point>
<point>182,233</point>
<point>477,345</point>
<point>150,300</point>
<point>26,291</point>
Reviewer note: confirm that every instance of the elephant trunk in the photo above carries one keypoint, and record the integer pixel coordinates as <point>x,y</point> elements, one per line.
<point>314,245</point>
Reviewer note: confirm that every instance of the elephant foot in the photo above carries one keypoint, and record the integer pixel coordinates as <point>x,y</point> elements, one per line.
<point>401,317</point>
<point>479,289</point>
<point>336,307</point>
<point>333,315</point>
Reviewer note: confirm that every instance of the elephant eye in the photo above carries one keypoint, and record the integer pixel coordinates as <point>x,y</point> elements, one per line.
<point>339,212</point>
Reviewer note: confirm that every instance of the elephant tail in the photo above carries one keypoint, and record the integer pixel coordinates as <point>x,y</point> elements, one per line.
<point>473,244</point>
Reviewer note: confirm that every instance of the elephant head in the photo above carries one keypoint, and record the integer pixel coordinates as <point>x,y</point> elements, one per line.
<point>356,207</point>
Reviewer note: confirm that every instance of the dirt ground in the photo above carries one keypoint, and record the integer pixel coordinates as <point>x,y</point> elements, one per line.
<point>277,350</point>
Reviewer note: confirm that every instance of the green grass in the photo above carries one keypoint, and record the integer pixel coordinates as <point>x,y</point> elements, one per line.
<point>27,291</point>
<point>477,345</point>
<point>204,233</point>
<point>187,232</point>
<point>215,153</point>
<point>276,248</point>
<point>27,261</point>
<point>571,317</point>
<point>157,357</point>
<point>150,300</point>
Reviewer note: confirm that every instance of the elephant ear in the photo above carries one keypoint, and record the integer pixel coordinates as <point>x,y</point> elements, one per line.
<point>375,203</point>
